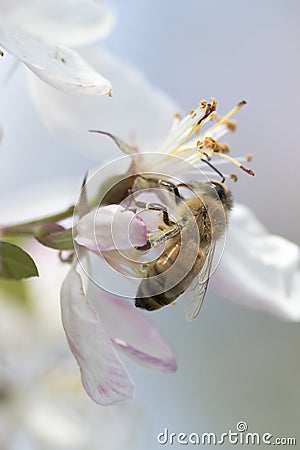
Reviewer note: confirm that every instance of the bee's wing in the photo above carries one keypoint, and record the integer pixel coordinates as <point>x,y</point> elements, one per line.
<point>199,286</point>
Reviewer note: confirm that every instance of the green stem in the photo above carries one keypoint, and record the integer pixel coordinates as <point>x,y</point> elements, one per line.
<point>32,227</point>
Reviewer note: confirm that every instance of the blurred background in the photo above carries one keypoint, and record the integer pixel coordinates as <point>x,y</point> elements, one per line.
<point>234,364</point>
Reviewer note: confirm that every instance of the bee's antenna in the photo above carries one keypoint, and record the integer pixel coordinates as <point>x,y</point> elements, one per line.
<point>214,168</point>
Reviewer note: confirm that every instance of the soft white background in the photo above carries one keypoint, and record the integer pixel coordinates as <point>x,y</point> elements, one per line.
<point>233,363</point>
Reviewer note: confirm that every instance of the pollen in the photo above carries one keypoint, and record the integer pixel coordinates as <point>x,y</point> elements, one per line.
<point>234,177</point>
<point>177,116</point>
<point>185,139</point>
<point>230,124</point>
<point>215,145</point>
<point>248,157</point>
<point>247,170</point>
<point>224,148</point>
<point>213,102</point>
<point>210,143</point>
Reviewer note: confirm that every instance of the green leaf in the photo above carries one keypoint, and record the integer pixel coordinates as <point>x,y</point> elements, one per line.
<point>61,240</point>
<point>15,263</point>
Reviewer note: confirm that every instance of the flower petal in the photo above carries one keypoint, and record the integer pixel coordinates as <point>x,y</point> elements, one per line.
<point>131,331</point>
<point>258,269</point>
<point>137,113</point>
<point>68,22</point>
<point>59,66</point>
<point>103,375</point>
<point>111,227</point>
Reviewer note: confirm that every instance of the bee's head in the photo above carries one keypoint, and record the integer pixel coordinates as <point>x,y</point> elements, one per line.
<point>223,192</point>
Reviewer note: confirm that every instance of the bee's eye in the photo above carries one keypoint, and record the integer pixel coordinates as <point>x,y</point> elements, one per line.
<point>220,189</point>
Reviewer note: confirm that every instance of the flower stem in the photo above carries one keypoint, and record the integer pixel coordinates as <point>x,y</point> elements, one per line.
<point>34,226</point>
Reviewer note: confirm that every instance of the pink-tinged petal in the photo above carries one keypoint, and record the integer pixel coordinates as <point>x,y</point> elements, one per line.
<point>69,22</point>
<point>103,374</point>
<point>258,269</point>
<point>138,113</point>
<point>132,331</point>
<point>59,66</point>
<point>111,227</point>
<point>152,361</point>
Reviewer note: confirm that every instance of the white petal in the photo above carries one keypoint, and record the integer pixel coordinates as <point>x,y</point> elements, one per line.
<point>68,22</point>
<point>132,331</point>
<point>137,113</point>
<point>258,269</point>
<point>103,375</point>
<point>111,227</point>
<point>59,66</point>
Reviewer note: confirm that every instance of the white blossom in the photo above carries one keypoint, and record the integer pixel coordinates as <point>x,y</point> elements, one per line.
<point>45,35</point>
<point>259,291</point>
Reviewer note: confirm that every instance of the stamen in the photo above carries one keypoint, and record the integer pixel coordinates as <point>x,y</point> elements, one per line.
<point>249,171</point>
<point>207,156</point>
<point>233,110</point>
<point>222,162</point>
<point>233,161</point>
<point>230,124</point>
<point>213,102</point>
<point>182,139</point>
<point>210,107</point>
<point>224,120</point>
<point>215,145</point>
<point>176,121</point>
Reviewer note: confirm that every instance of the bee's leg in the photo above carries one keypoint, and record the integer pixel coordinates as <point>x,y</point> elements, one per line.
<point>165,183</point>
<point>166,220</point>
<point>156,207</point>
<point>144,248</point>
<point>171,187</point>
<point>158,237</point>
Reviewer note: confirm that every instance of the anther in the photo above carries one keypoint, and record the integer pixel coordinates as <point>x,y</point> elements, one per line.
<point>249,171</point>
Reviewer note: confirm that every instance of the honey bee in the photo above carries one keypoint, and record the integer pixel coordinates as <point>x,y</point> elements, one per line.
<point>186,260</point>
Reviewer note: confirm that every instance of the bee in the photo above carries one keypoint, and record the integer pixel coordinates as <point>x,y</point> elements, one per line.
<point>190,240</point>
